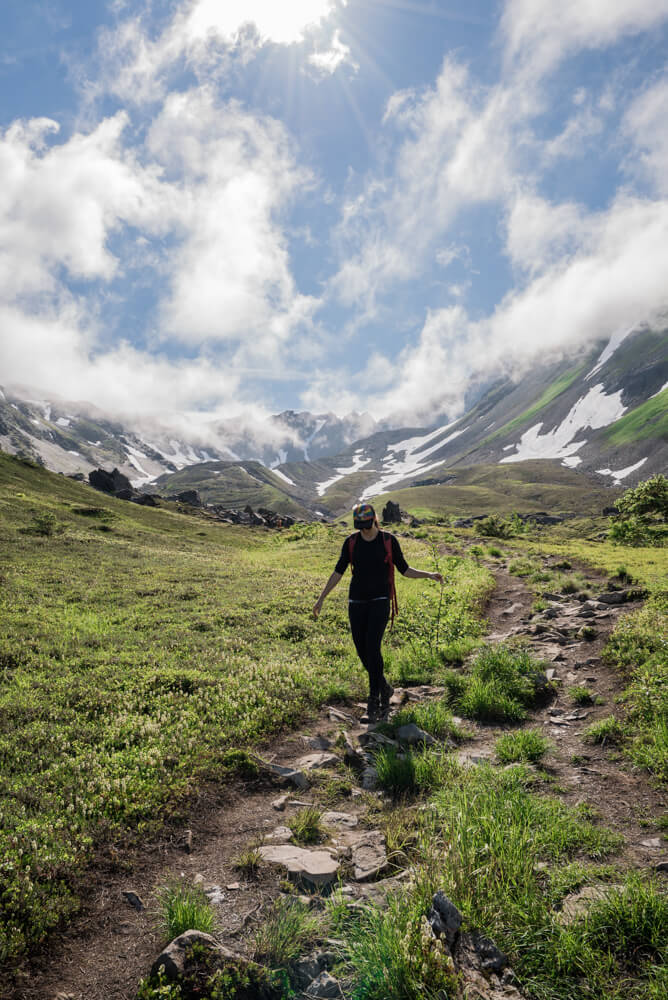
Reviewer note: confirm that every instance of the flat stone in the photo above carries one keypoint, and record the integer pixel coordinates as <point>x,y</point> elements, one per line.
<point>313,761</point>
<point>317,868</point>
<point>281,835</point>
<point>340,819</point>
<point>613,597</point>
<point>550,673</point>
<point>512,609</point>
<point>661,866</point>
<point>369,855</point>
<point>467,759</point>
<point>324,986</point>
<point>288,775</point>
<point>654,843</point>
<point>578,903</point>
<point>336,715</point>
<point>318,742</point>
<point>280,803</point>
<point>214,894</point>
<point>414,736</point>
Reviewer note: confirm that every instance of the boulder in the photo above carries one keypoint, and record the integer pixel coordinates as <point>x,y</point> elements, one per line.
<point>253,981</point>
<point>109,482</point>
<point>287,775</point>
<point>146,500</point>
<point>414,736</point>
<point>445,918</point>
<point>315,869</point>
<point>340,819</point>
<point>391,513</point>
<point>191,497</point>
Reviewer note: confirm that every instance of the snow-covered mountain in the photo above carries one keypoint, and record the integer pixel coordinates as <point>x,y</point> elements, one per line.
<point>604,413</point>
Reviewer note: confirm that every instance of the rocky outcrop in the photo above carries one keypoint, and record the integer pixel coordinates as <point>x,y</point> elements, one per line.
<point>113,482</point>
<point>391,513</point>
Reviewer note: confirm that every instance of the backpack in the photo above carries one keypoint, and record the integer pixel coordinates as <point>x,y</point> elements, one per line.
<point>387,542</point>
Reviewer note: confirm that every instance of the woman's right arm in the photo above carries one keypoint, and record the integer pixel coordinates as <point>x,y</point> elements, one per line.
<point>329,586</point>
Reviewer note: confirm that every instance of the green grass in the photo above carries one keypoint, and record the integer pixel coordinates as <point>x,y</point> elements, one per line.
<point>139,661</point>
<point>581,695</point>
<point>607,731</point>
<point>412,772</point>
<point>434,717</point>
<point>306,825</point>
<point>184,907</point>
<point>286,932</point>
<point>650,419</point>
<point>526,746</point>
<point>502,683</point>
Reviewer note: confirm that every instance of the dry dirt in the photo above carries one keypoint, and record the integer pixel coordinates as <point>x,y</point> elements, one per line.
<point>108,948</point>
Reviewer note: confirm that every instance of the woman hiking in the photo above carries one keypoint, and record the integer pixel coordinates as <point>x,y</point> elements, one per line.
<point>373,554</point>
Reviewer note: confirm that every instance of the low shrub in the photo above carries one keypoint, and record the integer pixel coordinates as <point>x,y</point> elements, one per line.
<point>525,746</point>
<point>184,907</point>
<point>502,683</point>
<point>608,730</point>
<point>306,825</point>
<point>581,695</point>
<point>286,931</point>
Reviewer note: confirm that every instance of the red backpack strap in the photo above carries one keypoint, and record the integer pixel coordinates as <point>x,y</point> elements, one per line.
<point>394,606</point>
<point>351,548</point>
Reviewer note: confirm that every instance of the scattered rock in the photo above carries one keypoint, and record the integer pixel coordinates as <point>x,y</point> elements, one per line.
<point>133,899</point>
<point>281,835</point>
<point>313,761</point>
<point>191,497</point>
<point>315,868</point>
<point>369,779</point>
<point>318,742</point>
<point>550,673</point>
<point>369,855</point>
<point>661,866</point>
<point>288,775</point>
<point>578,903</point>
<point>654,843</point>
<point>340,819</point>
<point>109,482</point>
<point>414,736</point>
<point>445,918</point>
<point>280,803</point>
<point>491,959</point>
<point>305,970</point>
<point>173,958</point>
<point>337,716</point>
<point>613,597</point>
<point>324,986</point>
<point>188,841</point>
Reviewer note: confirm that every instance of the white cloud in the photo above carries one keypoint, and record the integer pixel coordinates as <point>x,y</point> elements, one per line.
<point>541,233</point>
<point>540,33</point>
<point>55,351</point>
<point>329,60</point>
<point>202,34</point>
<point>230,276</point>
<point>646,122</point>
<point>59,203</point>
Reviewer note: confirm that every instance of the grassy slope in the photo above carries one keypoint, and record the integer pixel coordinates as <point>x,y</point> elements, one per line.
<point>559,385</point>
<point>233,486</point>
<point>521,486</point>
<point>137,646</point>
<point>650,419</point>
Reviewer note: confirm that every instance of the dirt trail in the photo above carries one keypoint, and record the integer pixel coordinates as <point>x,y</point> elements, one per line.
<point>110,946</point>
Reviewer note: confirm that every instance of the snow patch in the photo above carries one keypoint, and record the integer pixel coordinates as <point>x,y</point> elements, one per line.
<point>622,473</point>
<point>594,410</point>
<point>319,424</point>
<point>572,462</point>
<point>73,453</point>
<point>2,395</point>
<point>63,422</point>
<point>664,386</point>
<point>508,447</point>
<point>614,342</point>
<point>145,477</point>
<point>135,451</point>
<point>280,459</point>
<point>358,463</point>
<point>414,452</point>
<point>282,475</point>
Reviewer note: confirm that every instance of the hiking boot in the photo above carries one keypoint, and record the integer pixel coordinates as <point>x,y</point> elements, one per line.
<point>372,710</point>
<point>385,694</point>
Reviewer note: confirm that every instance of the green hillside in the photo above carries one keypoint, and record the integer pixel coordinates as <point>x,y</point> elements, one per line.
<point>649,420</point>
<point>559,385</point>
<point>517,486</point>
<point>233,486</point>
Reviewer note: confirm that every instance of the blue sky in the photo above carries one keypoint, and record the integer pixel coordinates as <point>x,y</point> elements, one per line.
<point>231,208</point>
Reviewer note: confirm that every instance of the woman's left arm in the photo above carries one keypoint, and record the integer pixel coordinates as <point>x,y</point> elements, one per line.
<point>422,574</point>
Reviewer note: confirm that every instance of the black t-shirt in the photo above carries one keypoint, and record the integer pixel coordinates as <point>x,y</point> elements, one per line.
<point>369,569</point>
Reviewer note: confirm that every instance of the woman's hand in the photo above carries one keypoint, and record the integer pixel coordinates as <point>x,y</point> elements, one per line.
<point>317,608</point>
<point>438,577</point>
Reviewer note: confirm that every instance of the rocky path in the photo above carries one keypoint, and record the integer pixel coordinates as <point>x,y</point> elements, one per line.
<point>113,944</point>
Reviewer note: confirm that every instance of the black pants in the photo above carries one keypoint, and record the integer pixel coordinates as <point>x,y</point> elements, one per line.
<point>368,620</point>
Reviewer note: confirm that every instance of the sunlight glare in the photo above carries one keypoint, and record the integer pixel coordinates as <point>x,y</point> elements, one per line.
<point>284,23</point>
